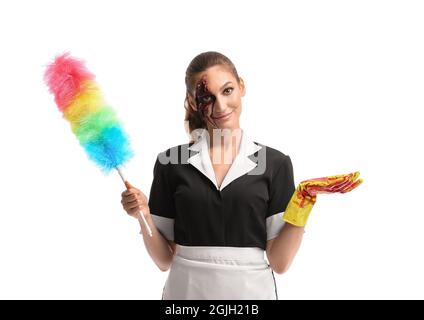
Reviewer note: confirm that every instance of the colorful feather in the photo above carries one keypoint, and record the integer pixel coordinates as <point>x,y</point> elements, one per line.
<point>94,123</point>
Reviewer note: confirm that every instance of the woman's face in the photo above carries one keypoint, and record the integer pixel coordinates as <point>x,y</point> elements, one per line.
<point>218,96</point>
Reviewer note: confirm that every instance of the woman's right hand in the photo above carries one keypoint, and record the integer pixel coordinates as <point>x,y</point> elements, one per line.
<point>133,200</point>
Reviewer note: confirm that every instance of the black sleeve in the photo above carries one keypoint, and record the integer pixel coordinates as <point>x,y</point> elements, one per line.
<point>161,200</point>
<point>282,187</point>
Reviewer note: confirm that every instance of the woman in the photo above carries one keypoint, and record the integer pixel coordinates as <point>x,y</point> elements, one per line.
<point>216,203</point>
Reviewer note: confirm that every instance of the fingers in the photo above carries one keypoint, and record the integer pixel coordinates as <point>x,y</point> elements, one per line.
<point>314,189</point>
<point>325,180</point>
<point>339,183</point>
<point>355,175</point>
<point>130,205</point>
<point>133,193</point>
<point>128,185</point>
<point>131,197</point>
<point>352,186</point>
<point>332,179</point>
<point>338,178</point>
<point>133,200</point>
<point>130,192</point>
<point>134,211</point>
<point>137,210</point>
<point>354,182</point>
<point>133,208</point>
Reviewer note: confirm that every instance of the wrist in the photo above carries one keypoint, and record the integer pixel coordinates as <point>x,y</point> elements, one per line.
<point>145,211</point>
<point>299,208</point>
<point>148,219</point>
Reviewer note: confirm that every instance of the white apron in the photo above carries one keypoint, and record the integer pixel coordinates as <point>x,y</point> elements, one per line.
<point>215,273</point>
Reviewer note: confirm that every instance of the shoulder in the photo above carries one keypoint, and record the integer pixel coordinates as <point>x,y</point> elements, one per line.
<point>274,158</point>
<point>174,155</point>
<point>272,153</point>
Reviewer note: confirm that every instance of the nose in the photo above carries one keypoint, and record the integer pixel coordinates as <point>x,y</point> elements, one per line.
<point>219,107</point>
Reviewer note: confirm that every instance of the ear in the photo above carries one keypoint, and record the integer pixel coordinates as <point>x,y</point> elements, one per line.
<point>242,87</point>
<point>191,102</point>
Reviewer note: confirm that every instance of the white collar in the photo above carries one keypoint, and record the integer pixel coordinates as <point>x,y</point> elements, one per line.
<point>241,165</point>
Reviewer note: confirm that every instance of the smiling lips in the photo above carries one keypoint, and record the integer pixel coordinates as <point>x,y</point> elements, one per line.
<point>223,116</point>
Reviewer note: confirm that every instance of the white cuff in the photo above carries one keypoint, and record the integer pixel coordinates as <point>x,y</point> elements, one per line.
<point>165,226</point>
<point>274,224</point>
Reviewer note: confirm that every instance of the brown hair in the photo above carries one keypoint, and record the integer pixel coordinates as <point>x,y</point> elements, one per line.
<point>199,64</point>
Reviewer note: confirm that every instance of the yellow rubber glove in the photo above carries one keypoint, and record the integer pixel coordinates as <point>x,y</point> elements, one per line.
<point>304,198</point>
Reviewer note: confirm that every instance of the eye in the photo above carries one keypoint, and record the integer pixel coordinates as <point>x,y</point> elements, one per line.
<point>206,99</point>
<point>229,88</point>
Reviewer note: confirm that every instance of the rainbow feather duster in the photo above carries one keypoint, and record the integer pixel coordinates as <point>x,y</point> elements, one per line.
<point>94,123</point>
<point>92,120</point>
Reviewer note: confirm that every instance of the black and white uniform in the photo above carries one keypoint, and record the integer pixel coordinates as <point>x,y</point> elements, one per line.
<point>220,232</point>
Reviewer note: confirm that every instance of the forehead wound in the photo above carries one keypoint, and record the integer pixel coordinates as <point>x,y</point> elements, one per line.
<point>202,87</point>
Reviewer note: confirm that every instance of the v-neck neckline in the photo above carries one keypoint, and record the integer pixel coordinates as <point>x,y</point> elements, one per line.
<point>240,165</point>
<point>229,164</point>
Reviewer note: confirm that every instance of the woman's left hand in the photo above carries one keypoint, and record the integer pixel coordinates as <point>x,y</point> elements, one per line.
<point>303,199</point>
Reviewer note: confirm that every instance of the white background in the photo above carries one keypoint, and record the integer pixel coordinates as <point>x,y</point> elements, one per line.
<point>337,85</point>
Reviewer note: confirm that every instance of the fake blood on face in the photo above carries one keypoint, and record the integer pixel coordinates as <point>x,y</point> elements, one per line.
<point>204,100</point>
